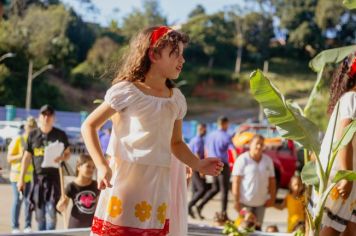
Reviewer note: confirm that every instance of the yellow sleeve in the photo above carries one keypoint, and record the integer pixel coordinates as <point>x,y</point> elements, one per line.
<point>14,146</point>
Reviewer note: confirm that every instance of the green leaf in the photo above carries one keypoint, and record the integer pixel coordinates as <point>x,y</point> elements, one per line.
<point>335,55</point>
<point>286,116</point>
<point>350,4</point>
<point>348,134</point>
<point>309,175</point>
<point>349,175</point>
<point>318,63</point>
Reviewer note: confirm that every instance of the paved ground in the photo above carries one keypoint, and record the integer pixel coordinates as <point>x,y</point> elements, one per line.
<point>272,216</point>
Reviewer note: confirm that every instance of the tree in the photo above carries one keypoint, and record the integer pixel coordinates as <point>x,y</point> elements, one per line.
<point>38,36</point>
<point>336,22</point>
<point>137,20</point>
<point>81,35</point>
<point>314,25</point>
<point>257,30</point>
<point>100,62</point>
<point>210,32</point>
<point>198,10</point>
<point>41,35</point>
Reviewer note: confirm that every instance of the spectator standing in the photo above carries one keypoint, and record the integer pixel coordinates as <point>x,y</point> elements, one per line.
<point>199,186</point>
<point>45,191</point>
<point>217,144</point>
<point>254,183</point>
<point>16,150</point>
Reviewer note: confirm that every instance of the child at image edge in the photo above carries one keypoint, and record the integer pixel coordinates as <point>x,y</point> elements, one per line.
<point>147,113</point>
<point>84,193</point>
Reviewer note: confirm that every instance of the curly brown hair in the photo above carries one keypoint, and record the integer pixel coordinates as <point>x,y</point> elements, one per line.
<point>136,63</point>
<point>341,82</point>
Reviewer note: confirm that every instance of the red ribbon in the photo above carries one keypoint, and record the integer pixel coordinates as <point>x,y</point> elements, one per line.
<point>352,71</point>
<point>158,33</point>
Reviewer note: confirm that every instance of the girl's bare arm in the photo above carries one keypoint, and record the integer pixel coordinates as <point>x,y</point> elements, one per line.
<point>90,129</point>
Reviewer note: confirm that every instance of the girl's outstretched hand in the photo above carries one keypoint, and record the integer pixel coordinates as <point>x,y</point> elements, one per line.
<point>210,166</point>
<point>104,177</point>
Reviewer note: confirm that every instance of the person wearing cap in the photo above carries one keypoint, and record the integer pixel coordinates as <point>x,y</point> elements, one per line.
<point>14,156</point>
<point>217,144</point>
<point>45,191</point>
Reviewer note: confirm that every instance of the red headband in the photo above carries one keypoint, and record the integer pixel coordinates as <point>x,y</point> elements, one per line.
<point>352,71</point>
<point>158,33</point>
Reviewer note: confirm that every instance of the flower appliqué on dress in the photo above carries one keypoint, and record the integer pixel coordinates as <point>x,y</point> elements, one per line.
<point>334,194</point>
<point>161,213</point>
<point>115,206</point>
<point>143,211</point>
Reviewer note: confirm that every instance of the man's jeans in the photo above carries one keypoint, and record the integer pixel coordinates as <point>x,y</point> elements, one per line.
<point>46,217</point>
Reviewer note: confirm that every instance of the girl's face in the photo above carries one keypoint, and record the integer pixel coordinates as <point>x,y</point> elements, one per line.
<point>86,169</point>
<point>296,186</point>
<point>170,64</point>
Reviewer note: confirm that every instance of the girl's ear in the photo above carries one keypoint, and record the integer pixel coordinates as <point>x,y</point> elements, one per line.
<point>152,55</point>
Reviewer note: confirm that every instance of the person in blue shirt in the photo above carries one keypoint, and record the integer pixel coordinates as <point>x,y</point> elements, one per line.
<point>104,139</point>
<point>217,144</point>
<point>199,186</point>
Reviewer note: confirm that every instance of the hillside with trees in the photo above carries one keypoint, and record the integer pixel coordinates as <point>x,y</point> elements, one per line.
<point>278,35</point>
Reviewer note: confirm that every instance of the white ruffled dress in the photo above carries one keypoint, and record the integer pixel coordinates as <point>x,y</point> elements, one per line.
<point>140,146</point>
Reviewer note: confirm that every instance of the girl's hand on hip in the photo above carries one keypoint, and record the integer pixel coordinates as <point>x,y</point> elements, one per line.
<point>344,188</point>
<point>104,177</point>
<point>210,166</point>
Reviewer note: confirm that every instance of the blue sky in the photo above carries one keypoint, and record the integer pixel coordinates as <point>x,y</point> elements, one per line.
<point>175,10</point>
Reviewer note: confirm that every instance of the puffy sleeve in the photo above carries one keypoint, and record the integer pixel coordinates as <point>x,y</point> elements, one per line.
<point>120,95</point>
<point>182,105</point>
<point>347,108</point>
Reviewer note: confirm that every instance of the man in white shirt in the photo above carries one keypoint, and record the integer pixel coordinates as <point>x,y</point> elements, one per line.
<point>254,183</point>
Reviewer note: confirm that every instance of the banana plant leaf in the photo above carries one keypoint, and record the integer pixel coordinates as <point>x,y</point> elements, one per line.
<point>350,4</point>
<point>334,55</point>
<point>286,116</point>
<point>309,175</point>
<point>318,63</point>
<point>344,174</point>
<point>348,134</point>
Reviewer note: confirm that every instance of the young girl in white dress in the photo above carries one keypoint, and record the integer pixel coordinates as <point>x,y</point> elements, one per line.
<point>340,209</point>
<point>147,130</point>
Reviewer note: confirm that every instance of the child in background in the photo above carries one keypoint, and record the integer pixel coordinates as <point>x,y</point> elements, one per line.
<point>272,229</point>
<point>294,203</point>
<point>84,193</point>
<point>247,220</point>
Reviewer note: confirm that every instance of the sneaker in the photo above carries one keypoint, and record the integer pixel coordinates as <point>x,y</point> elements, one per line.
<point>15,231</point>
<point>27,230</point>
<point>191,213</point>
<point>224,217</point>
<point>201,217</point>
<point>220,218</point>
